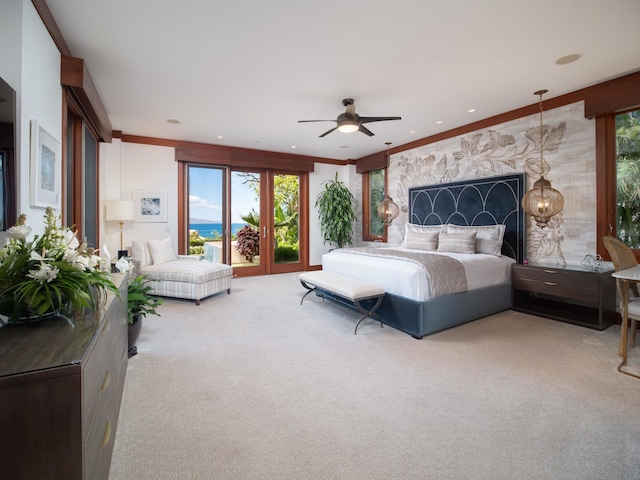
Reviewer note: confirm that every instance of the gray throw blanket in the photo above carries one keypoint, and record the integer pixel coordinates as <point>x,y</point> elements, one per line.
<point>445,274</point>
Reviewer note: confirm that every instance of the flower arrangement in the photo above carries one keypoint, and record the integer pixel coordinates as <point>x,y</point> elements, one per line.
<point>53,273</point>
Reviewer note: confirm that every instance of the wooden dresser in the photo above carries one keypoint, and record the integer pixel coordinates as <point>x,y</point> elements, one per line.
<point>582,297</point>
<point>60,389</point>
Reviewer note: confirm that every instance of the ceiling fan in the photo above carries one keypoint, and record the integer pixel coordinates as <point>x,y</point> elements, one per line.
<point>350,121</point>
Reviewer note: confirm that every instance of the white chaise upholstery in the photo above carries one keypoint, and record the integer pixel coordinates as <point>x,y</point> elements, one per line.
<point>180,276</point>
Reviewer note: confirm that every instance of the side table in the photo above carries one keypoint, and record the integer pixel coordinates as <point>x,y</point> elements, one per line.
<point>570,294</point>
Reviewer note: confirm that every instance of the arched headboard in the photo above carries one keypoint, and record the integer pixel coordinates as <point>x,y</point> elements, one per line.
<point>483,201</point>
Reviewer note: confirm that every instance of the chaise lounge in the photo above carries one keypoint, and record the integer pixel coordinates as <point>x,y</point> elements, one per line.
<point>180,276</point>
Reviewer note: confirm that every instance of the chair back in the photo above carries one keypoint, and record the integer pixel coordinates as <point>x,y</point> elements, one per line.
<point>621,256</point>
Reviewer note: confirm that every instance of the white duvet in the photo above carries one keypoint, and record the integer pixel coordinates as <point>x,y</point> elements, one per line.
<point>408,279</point>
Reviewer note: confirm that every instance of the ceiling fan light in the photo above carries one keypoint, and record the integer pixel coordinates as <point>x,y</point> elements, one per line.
<point>348,126</point>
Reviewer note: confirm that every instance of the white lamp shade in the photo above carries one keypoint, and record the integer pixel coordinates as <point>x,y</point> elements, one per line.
<point>120,211</point>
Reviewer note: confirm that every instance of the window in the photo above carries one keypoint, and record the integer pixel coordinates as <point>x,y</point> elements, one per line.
<point>627,127</point>
<point>373,189</point>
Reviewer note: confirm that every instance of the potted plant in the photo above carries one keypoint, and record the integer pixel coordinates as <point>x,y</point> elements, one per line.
<point>139,304</point>
<point>53,274</point>
<point>336,211</point>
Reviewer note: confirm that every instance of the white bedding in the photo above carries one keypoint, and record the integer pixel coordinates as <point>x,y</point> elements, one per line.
<point>408,279</point>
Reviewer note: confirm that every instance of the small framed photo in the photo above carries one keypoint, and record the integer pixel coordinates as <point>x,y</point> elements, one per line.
<point>150,206</point>
<point>45,174</point>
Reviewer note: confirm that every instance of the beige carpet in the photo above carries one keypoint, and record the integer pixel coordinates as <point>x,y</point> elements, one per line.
<point>253,385</point>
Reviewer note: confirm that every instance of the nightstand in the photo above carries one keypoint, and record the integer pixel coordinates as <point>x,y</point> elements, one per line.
<point>571,294</point>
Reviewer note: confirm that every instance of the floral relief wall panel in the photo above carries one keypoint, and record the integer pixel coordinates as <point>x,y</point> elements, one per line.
<point>568,148</point>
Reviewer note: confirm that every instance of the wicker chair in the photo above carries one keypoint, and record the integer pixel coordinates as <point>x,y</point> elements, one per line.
<point>623,258</point>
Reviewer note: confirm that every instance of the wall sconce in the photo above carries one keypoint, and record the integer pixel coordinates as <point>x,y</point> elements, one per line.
<point>120,211</point>
<point>388,210</point>
<point>542,202</point>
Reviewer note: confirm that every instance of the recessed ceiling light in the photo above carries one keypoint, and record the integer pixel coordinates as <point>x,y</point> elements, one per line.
<point>293,146</point>
<point>412,131</point>
<point>568,59</point>
<point>220,137</point>
<point>471,110</point>
<point>439,122</point>
<point>173,121</point>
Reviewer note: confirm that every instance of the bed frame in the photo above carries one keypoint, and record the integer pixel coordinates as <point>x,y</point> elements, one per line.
<point>485,201</point>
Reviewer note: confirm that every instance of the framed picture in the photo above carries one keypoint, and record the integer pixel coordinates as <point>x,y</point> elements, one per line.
<point>46,168</point>
<point>150,206</point>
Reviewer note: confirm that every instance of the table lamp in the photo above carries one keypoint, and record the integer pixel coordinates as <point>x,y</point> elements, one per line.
<point>120,211</point>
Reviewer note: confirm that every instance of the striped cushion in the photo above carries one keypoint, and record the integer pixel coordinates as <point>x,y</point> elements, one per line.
<point>187,272</point>
<point>457,242</point>
<point>421,241</point>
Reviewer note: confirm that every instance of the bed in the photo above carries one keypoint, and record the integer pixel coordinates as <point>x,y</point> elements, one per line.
<point>415,302</point>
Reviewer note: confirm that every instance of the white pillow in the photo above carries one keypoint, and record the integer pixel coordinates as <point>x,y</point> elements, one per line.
<point>414,227</point>
<point>162,251</point>
<point>141,253</point>
<point>488,238</point>
<point>421,241</point>
<point>457,242</point>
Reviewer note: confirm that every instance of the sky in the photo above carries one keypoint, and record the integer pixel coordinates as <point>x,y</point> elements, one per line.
<point>205,195</point>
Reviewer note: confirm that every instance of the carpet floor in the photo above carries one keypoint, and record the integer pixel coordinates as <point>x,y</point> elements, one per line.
<point>253,385</point>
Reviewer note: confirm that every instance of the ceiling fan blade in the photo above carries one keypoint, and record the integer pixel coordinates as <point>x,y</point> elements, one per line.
<point>377,119</point>
<point>328,132</point>
<point>365,130</point>
<point>304,121</point>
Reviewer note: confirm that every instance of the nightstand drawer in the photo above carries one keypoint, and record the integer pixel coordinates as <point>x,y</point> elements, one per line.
<point>587,296</point>
<point>567,278</point>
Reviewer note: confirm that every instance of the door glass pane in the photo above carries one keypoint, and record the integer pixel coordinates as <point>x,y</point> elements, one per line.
<point>628,177</point>
<point>245,219</point>
<point>286,195</point>
<point>206,225</point>
<point>376,196</point>
<point>90,190</point>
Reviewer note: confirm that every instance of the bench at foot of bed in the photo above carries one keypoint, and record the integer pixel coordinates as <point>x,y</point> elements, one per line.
<point>345,290</point>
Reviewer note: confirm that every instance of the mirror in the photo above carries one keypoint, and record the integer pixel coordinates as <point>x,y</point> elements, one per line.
<point>7,156</point>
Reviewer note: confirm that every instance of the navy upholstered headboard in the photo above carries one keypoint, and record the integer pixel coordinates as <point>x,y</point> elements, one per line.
<point>483,201</point>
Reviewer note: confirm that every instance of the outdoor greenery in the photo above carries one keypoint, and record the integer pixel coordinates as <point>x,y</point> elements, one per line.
<point>376,196</point>
<point>336,211</point>
<point>628,177</point>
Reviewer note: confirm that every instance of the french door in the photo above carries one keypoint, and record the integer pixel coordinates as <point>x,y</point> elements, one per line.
<point>248,218</point>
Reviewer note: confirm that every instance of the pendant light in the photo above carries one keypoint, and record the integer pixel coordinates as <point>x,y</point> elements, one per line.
<point>542,202</point>
<point>388,210</point>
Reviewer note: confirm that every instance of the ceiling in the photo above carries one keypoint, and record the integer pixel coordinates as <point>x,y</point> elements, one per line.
<point>242,73</point>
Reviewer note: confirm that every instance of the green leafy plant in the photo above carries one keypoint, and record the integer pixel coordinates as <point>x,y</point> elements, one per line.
<point>139,301</point>
<point>336,211</point>
<point>53,273</point>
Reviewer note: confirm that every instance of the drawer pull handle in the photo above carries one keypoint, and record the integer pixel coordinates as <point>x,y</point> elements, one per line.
<point>106,381</point>
<point>551,271</point>
<point>107,434</point>
<point>553,284</point>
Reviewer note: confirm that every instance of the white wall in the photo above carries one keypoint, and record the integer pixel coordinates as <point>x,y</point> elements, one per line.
<point>129,167</point>
<point>30,63</point>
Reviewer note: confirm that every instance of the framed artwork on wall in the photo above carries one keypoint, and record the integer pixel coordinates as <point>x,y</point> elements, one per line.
<point>45,168</point>
<point>150,206</point>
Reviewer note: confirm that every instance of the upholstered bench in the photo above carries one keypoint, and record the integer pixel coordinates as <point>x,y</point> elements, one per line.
<point>345,290</point>
<point>180,276</point>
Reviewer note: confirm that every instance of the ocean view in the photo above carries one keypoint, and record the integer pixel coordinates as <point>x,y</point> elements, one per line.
<point>213,230</point>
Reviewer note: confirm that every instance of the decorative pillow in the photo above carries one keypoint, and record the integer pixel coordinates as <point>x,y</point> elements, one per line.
<point>457,242</point>
<point>421,241</point>
<point>488,238</point>
<point>141,253</point>
<point>162,251</point>
<point>415,228</point>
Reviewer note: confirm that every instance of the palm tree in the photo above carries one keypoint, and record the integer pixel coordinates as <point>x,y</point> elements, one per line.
<point>628,177</point>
